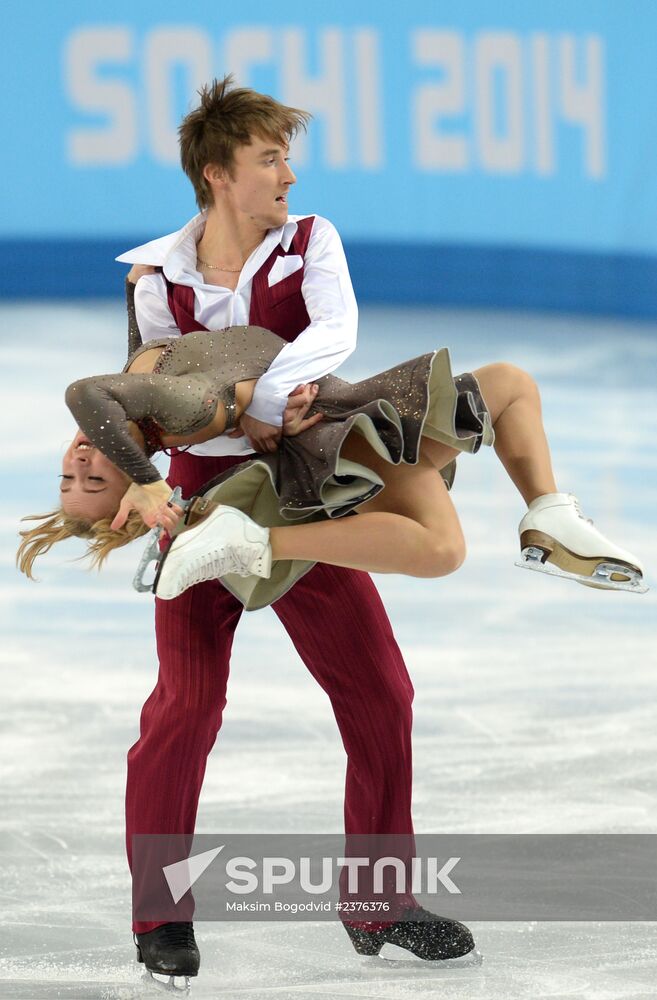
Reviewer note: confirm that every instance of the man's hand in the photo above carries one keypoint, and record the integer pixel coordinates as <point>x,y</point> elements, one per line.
<point>137,271</point>
<point>262,437</point>
<point>298,403</point>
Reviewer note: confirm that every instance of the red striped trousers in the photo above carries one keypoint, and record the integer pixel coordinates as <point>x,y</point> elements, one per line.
<point>341,631</point>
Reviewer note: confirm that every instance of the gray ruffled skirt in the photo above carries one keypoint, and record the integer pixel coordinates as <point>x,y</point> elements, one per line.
<point>307,478</point>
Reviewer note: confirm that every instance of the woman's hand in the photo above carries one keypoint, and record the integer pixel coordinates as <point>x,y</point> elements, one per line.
<point>151,503</point>
<point>298,403</point>
<point>168,515</point>
<point>137,271</point>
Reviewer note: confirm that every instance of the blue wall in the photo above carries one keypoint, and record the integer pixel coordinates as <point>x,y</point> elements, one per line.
<point>501,153</point>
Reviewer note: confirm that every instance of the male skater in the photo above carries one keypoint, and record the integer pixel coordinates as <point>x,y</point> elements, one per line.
<point>244,260</point>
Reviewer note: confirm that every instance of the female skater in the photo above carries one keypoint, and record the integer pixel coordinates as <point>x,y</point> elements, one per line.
<point>373,447</point>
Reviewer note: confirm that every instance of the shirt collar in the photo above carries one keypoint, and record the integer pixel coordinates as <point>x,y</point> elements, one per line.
<point>176,253</point>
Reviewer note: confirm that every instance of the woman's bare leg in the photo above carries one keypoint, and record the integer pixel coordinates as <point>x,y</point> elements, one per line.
<point>411,527</point>
<point>514,404</point>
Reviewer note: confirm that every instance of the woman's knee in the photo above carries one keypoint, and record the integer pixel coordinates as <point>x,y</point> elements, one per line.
<point>518,381</point>
<point>442,557</point>
<point>503,384</point>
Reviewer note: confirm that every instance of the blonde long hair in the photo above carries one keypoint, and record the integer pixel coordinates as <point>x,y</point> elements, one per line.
<point>58,526</point>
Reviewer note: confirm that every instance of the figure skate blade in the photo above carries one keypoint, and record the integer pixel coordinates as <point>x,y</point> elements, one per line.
<point>606,576</point>
<point>153,553</point>
<point>169,986</point>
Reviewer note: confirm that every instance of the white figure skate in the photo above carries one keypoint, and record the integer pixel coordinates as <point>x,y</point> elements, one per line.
<point>556,538</point>
<point>226,541</point>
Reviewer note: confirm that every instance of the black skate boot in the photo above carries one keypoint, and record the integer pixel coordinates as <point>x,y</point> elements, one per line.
<point>170,950</point>
<point>425,934</point>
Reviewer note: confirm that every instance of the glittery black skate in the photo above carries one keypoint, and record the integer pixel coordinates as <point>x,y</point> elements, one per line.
<point>423,933</point>
<point>169,950</point>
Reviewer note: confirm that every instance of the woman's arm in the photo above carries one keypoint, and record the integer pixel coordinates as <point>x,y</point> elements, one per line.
<point>134,336</point>
<point>102,407</point>
<point>136,272</point>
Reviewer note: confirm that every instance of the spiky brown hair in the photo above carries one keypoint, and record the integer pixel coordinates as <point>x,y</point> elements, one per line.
<point>226,118</point>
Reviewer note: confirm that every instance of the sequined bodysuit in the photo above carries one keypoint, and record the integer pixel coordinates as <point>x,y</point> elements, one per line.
<point>192,375</point>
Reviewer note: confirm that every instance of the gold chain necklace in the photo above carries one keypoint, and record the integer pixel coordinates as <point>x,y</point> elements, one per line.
<point>216,267</point>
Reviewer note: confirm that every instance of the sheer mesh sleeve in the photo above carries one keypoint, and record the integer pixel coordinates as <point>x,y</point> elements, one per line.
<point>134,336</point>
<point>193,375</point>
<point>102,407</point>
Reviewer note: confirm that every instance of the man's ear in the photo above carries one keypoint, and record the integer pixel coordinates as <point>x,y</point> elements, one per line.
<point>215,175</point>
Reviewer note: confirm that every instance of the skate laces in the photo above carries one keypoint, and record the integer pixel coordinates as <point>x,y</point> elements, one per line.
<point>209,567</point>
<point>178,935</point>
<point>578,509</point>
<point>242,558</point>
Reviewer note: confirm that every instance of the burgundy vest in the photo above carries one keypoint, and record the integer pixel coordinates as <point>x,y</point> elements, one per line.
<point>280,308</point>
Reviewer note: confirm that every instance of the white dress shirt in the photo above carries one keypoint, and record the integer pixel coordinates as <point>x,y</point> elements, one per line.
<point>327,291</point>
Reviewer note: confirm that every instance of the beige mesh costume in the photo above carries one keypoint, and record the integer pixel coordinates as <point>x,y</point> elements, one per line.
<point>306,478</point>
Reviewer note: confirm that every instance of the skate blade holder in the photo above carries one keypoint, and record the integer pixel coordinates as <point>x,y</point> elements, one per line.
<point>152,553</point>
<point>631,580</point>
<point>169,986</point>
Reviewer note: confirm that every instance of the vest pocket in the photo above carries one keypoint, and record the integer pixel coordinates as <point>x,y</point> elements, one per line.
<point>282,290</point>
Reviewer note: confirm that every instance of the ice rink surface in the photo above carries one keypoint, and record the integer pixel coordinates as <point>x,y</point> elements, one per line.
<point>535,708</point>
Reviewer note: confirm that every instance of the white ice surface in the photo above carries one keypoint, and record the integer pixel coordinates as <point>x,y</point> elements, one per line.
<point>534,709</point>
